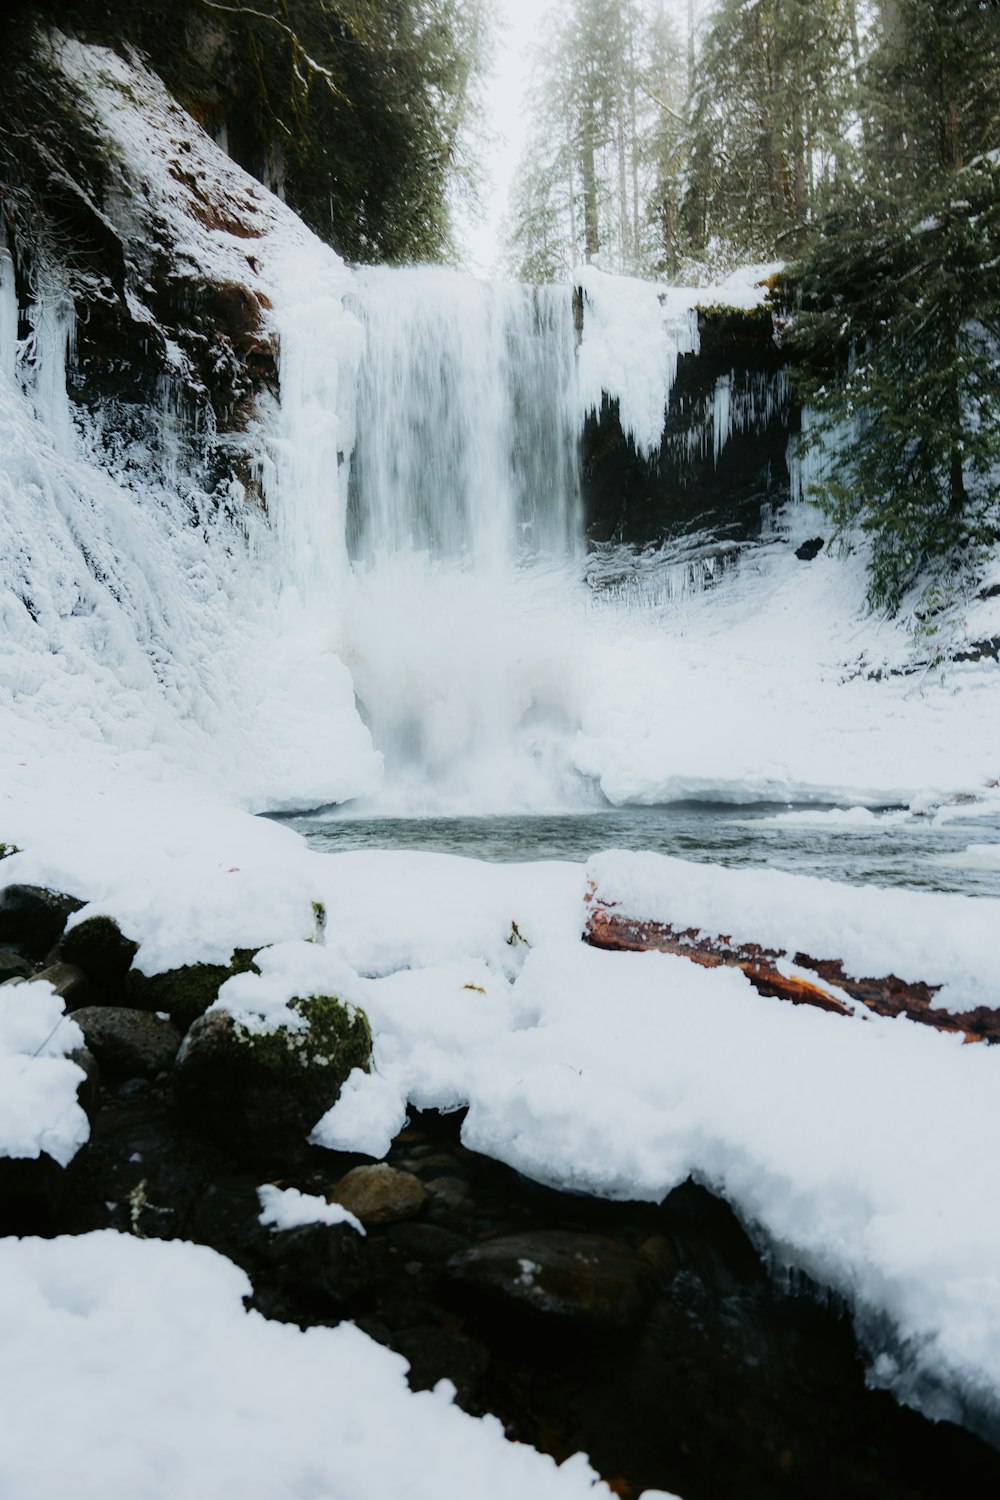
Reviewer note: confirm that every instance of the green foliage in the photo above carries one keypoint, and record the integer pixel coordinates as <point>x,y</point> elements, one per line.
<point>898,337</point>
<point>356,111</point>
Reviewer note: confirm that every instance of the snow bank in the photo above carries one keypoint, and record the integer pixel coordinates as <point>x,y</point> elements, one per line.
<point>168,1386</point>
<point>851,1147</point>
<point>774,686</point>
<point>948,940</point>
<point>39,1110</point>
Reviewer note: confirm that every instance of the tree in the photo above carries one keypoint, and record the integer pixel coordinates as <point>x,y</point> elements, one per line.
<point>898,336</point>
<point>589,174</point>
<point>356,111</point>
<point>770,115</point>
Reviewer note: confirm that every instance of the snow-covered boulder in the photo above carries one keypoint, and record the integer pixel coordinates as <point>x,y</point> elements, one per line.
<point>261,1085</point>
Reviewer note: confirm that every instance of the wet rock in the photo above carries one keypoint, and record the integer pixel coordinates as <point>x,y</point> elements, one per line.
<point>32,919</point>
<point>430,1244</point>
<point>449,1192</point>
<point>33,1192</point>
<point>98,947</point>
<point>380,1194</point>
<point>88,1090</point>
<point>69,982</point>
<point>13,966</point>
<point>582,1278</point>
<point>439,1354</point>
<point>320,1265</point>
<point>128,1043</point>
<point>261,1092</point>
<point>810,549</point>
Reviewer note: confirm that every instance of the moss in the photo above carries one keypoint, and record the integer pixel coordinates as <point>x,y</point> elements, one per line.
<point>99,947</point>
<point>319,917</point>
<point>336,1039</point>
<point>8,849</point>
<point>187,992</point>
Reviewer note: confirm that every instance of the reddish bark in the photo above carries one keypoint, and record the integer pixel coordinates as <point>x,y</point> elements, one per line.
<point>888,996</point>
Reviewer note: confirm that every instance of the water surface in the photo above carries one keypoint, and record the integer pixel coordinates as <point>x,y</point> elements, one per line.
<point>949,851</point>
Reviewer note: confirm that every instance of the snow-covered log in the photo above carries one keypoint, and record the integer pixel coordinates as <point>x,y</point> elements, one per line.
<point>784,973</point>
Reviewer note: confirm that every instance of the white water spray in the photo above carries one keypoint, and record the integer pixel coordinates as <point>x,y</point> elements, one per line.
<point>464,534</point>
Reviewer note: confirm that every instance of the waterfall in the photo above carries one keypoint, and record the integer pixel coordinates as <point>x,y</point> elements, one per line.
<point>464,535</point>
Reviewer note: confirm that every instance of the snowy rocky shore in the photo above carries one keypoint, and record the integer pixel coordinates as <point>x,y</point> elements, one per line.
<point>418,1184</point>
<point>282,1131</point>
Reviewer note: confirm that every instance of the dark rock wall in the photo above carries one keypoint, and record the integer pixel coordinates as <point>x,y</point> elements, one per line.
<point>685,488</point>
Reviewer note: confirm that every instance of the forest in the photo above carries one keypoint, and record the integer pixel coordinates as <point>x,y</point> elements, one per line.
<point>856,144</point>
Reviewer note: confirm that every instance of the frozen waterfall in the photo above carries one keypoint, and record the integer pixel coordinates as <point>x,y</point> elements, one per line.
<point>463,530</point>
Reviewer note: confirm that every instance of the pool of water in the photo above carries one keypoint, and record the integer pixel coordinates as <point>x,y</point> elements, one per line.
<point>956,849</point>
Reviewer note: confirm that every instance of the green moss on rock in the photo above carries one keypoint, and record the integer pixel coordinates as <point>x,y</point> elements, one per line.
<point>261,1092</point>
<point>99,947</point>
<point>187,992</point>
<point>8,849</point>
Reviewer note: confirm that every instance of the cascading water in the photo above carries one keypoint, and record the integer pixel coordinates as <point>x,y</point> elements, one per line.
<point>464,534</point>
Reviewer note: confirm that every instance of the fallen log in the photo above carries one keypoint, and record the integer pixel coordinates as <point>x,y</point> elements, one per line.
<point>767,969</point>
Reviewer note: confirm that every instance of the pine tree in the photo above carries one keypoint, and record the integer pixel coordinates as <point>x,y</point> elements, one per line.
<point>898,336</point>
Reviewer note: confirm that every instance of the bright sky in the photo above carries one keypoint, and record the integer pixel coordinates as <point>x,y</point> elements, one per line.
<point>520,23</point>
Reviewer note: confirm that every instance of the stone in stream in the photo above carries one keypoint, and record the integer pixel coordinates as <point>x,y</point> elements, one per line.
<point>581,1278</point>
<point>380,1194</point>
<point>128,1043</point>
<point>70,983</point>
<point>13,966</point>
<point>262,1091</point>
<point>32,919</point>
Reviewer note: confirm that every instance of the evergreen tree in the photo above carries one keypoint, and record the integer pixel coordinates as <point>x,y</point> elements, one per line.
<point>898,335</point>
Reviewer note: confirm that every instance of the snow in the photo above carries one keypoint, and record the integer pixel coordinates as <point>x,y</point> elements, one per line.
<point>161,679</point>
<point>39,1110</point>
<point>844,1144</point>
<point>287,1208</point>
<point>168,1386</point>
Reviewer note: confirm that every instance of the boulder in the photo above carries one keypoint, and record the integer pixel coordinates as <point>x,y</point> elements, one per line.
<point>128,1043</point>
<point>98,947</point>
<point>69,982</point>
<point>32,919</point>
<point>579,1278</point>
<point>380,1194</point>
<point>261,1091</point>
<point>13,966</point>
<point>187,992</point>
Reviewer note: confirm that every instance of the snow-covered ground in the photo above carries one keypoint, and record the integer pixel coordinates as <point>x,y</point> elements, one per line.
<point>159,681</point>
<point>849,1147</point>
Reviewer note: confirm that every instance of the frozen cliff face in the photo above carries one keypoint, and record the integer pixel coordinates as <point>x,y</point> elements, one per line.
<point>169,530</point>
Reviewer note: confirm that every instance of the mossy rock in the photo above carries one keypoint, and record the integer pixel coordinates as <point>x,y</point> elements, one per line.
<point>8,849</point>
<point>99,947</point>
<point>187,992</point>
<point>32,918</point>
<point>261,1092</point>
